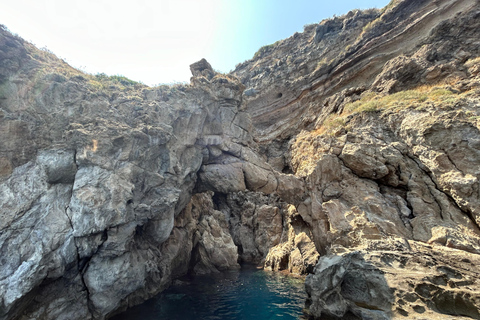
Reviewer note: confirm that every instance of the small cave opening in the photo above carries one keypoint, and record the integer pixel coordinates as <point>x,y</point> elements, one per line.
<point>219,201</point>
<point>240,252</point>
<point>129,201</point>
<point>139,230</point>
<point>104,235</point>
<point>279,95</point>
<point>287,170</point>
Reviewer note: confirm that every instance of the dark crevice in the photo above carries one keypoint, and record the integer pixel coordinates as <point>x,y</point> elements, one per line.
<point>219,200</point>
<point>287,170</point>
<point>300,225</point>
<point>401,190</point>
<point>139,230</point>
<point>84,262</point>
<point>89,302</point>
<point>430,175</point>
<point>451,161</point>
<point>75,160</point>
<point>82,267</point>
<point>81,263</point>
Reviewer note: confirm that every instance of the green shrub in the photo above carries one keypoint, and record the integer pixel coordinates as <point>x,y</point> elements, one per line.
<point>265,49</point>
<point>116,79</point>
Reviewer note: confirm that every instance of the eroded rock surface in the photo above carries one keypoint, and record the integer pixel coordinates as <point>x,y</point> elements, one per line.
<point>378,111</point>
<point>395,279</point>
<point>213,246</point>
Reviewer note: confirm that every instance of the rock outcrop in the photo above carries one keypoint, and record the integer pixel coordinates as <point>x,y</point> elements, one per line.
<point>396,279</point>
<point>355,144</point>
<point>213,246</point>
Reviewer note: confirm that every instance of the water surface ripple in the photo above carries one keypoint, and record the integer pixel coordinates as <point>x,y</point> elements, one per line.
<point>236,295</point>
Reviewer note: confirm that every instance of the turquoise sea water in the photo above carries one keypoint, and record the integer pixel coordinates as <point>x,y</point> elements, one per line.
<point>234,295</point>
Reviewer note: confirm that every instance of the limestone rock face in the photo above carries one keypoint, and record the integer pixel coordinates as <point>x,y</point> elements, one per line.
<point>95,175</point>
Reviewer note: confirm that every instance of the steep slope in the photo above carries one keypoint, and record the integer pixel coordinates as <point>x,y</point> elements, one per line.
<point>111,189</point>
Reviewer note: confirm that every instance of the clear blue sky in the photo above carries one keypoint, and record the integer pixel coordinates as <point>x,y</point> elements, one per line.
<point>156,41</point>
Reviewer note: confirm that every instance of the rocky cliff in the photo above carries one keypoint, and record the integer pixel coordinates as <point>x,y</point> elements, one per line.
<point>349,152</point>
<point>378,112</point>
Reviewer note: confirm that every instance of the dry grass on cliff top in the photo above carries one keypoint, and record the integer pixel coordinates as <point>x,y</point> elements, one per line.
<point>50,62</point>
<point>442,96</point>
<point>307,148</point>
<point>55,68</point>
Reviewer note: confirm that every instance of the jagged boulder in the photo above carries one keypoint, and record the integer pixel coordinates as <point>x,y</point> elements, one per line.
<point>202,68</point>
<point>213,246</point>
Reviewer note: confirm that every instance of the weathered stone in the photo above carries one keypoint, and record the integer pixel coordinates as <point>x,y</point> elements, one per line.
<point>290,188</point>
<point>255,222</point>
<point>258,179</point>
<point>340,285</point>
<point>362,160</point>
<point>222,178</point>
<point>59,165</point>
<point>394,278</point>
<point>297,253</point>
<point>214,249</point>
<point>202,68</point>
